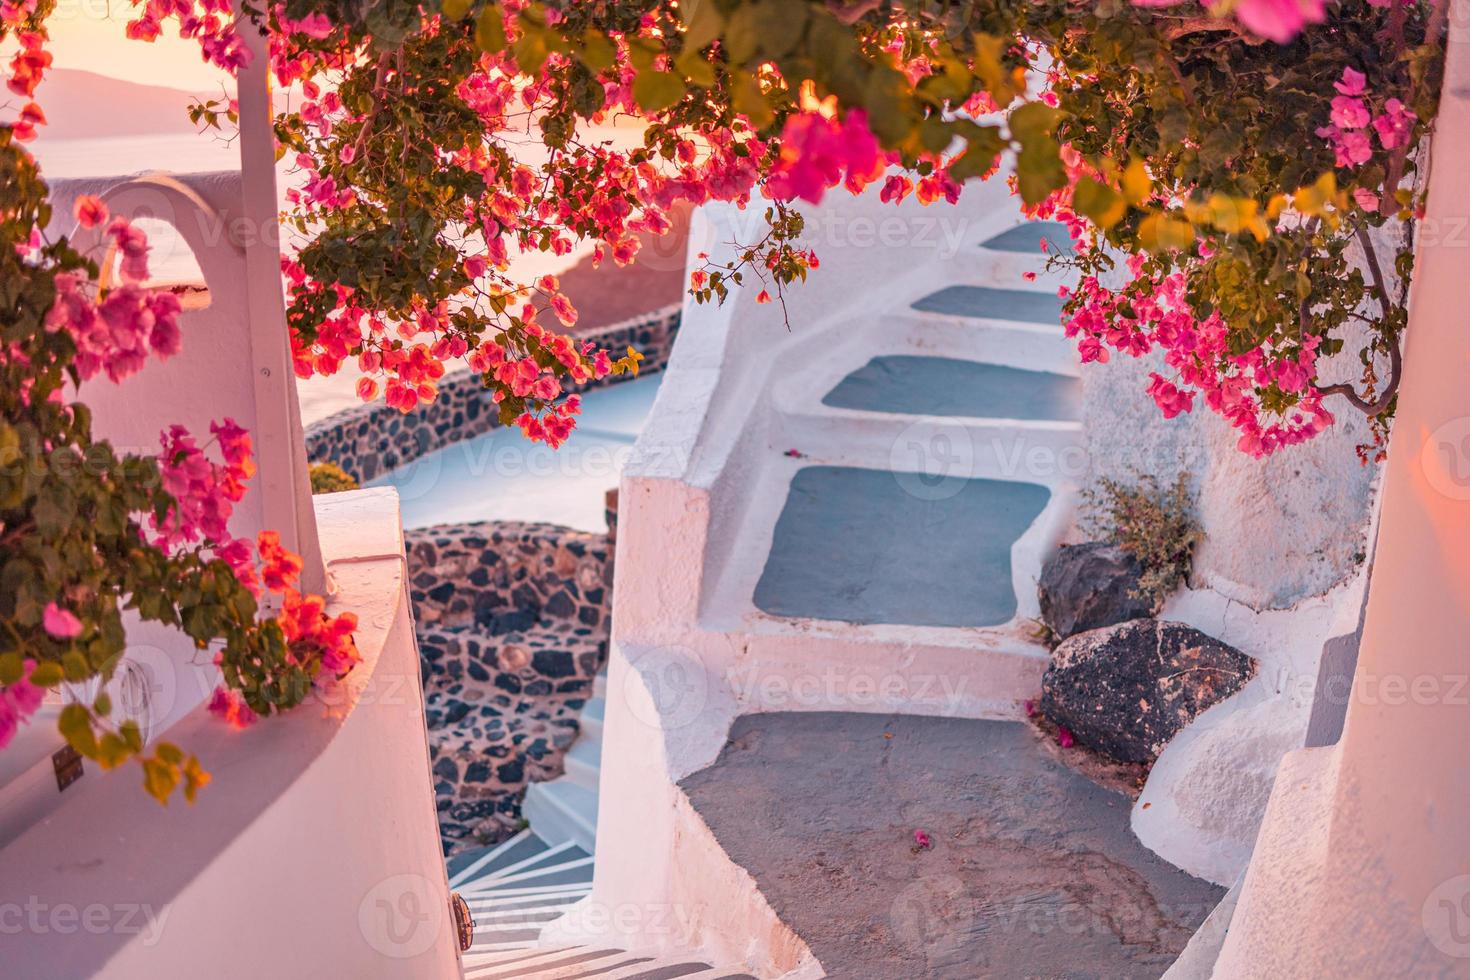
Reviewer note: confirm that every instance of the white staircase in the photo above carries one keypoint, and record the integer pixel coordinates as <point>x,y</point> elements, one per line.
<point>564,810</point>
<point>516,888</point>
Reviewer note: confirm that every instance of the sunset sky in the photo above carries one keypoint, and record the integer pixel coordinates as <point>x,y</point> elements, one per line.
<point>84,35</point>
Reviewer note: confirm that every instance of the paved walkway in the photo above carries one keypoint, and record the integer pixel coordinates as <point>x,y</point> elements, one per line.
<point>1032,871</point>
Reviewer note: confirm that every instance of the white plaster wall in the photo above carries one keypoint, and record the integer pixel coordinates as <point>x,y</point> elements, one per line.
<point>314,852</point>
<point>1279,529</point>
<point>1202,805</point>
<point>1362,867</point>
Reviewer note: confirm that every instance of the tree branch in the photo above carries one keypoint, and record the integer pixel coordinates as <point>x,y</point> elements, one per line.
<point>1395,357</point>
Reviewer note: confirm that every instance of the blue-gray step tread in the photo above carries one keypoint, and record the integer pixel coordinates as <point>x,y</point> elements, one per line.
<point>872,546</point>
<point>916,385</point>
<point>1028,237</point>
<point>1023,305</point>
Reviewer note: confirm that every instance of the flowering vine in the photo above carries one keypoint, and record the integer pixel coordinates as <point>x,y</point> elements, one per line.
<point>89,534</point>
<point>1236,178</point>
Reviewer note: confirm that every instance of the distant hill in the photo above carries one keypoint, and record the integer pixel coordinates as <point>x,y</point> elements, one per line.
<point>81,104</point>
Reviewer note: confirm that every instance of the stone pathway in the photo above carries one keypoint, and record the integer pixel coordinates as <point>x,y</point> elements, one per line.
<point>1032,872</point>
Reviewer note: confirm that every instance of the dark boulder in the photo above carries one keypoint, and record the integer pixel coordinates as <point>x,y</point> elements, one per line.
<point>1126,690</point>
<point>1087,586</point>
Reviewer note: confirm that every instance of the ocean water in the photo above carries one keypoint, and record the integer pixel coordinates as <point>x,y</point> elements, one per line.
<point>171,260</point>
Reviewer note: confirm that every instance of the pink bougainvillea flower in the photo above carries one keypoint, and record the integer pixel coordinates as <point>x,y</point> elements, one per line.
<point>1395,125</point>
<point>229,706</point>
<point>818,153</point>
<point>279,568</point>
<point>895,189</point>
<point>24,696</point>
<point>1064,737</point>
<point>61,623</point>
<point>1365,198</point>
<point>922,841</point>
<point>1352,82</point>
<point>1349,112</point>
<point>563,308</point>
<point>763,296</point>
<point>1280,20</point>
<point>9,722</point>
<point>90,211</point>
<point>1170,399</point>
<point>313,25</point>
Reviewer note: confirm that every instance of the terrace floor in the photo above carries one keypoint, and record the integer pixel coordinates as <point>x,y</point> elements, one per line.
<point>1032,872</point>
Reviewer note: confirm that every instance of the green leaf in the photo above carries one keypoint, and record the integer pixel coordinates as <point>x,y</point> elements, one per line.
<point>531,48</point>
<point>702,24</point>
<point>997,79</point>
<point>75,725</point>
<point>490,30</point>
<point>159,779</point>
<point>1034,121</point>
<point>1161,232</point>
<point>693,66</point>
<point>1103,205</point>
<point>195,778</point>
<point>597,51</point>
<point>47,674</point>
<point>455,9</point>
<point>750,101</point>
<point>655,91</point>
<point>742,35</point>
<point>74,665</point>
<point>1137,187</point>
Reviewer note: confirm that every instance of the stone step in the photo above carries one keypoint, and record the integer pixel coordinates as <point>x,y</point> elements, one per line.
<point>469,866</point>
<point>591,719</point>
<point>562,811</point>
<point>991,302</point>
<point>1026,238</point>
<point>567,963</point>
<point>911,384</point>
<point>859,546</point>
<point>926,455</point>
<point>583,762</point>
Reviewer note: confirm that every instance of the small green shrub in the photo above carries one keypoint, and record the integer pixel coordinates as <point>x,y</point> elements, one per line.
<point>330,478</point>
<point>1156,526</point>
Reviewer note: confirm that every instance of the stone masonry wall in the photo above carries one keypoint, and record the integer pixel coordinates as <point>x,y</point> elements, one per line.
<point>512,621</point>
<point>511,618</point>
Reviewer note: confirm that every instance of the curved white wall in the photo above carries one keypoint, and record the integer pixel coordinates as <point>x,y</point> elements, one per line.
<point>314,852</point>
